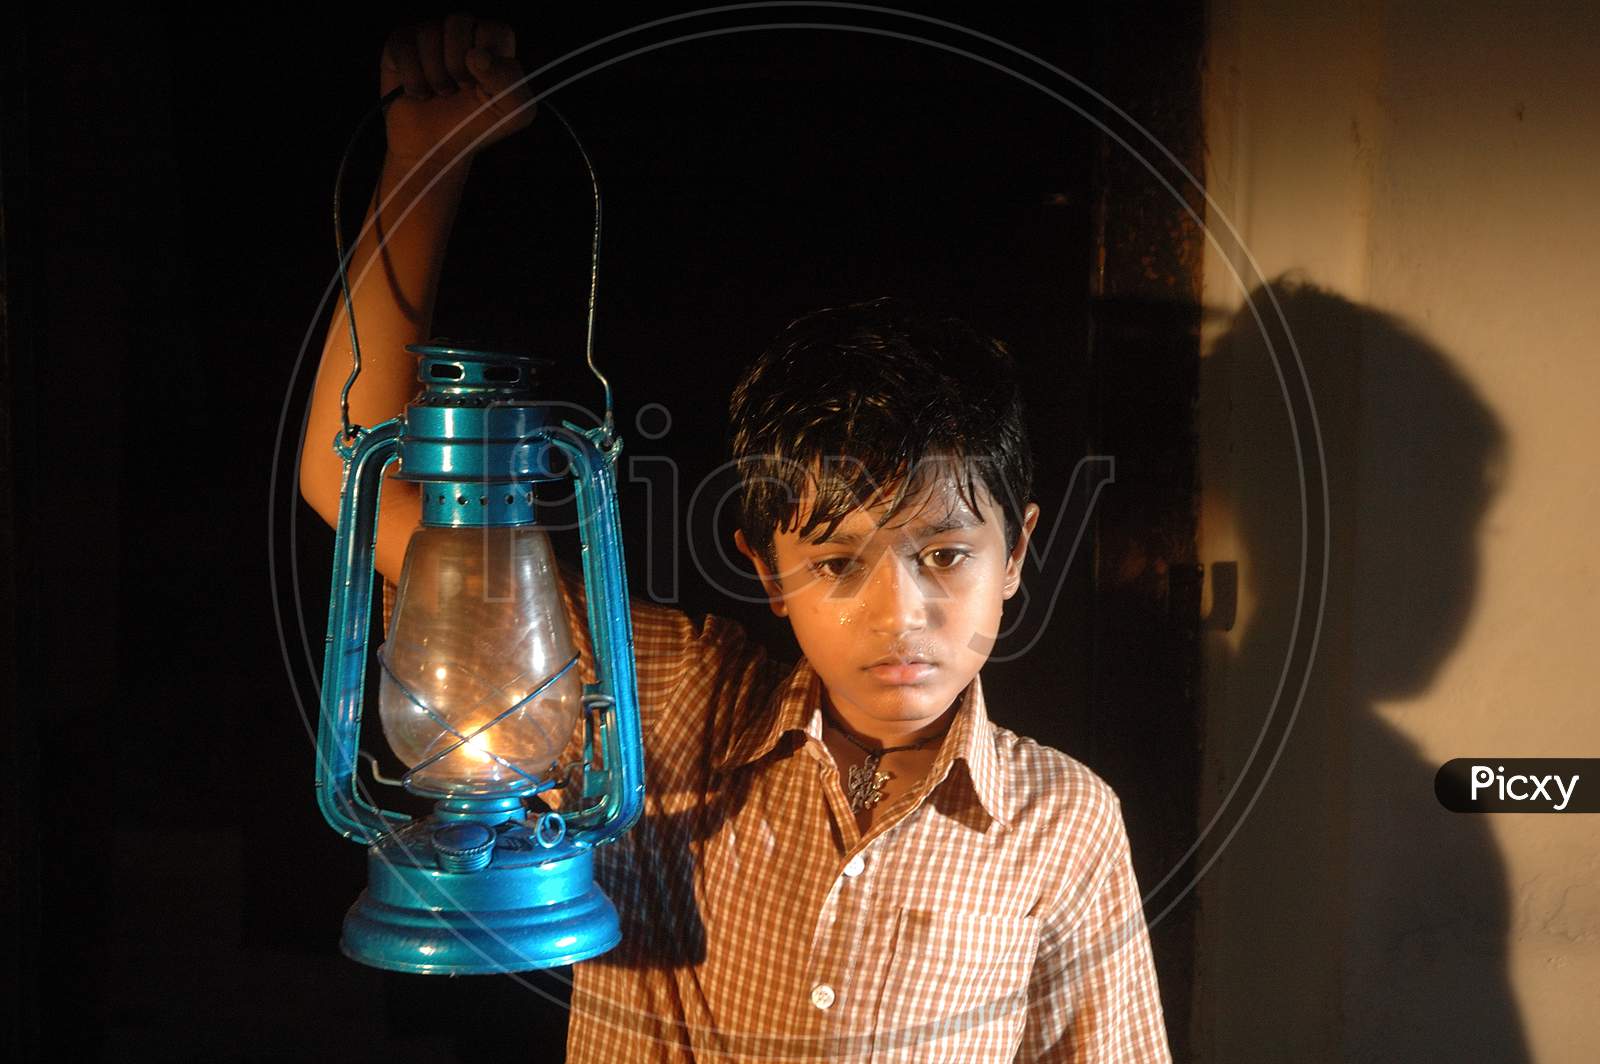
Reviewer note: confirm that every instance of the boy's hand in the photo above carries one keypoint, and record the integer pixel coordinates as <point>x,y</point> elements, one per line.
<point>456,74</point>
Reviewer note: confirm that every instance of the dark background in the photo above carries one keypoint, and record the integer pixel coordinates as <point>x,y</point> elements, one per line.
<point>168,251</point>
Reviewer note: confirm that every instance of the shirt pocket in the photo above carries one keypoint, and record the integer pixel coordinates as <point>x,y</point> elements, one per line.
<point>956,987</point>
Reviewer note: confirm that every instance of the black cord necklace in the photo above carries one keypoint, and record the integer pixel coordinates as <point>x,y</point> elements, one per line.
<point>864,783</point>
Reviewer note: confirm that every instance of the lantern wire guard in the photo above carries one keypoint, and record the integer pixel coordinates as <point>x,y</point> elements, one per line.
<point>476,887</point>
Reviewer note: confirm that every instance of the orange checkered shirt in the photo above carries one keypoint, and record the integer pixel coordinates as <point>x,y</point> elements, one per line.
<point>991,914</point>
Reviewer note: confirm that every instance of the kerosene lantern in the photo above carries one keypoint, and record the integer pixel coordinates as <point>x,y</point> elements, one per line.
<point>480,690</point>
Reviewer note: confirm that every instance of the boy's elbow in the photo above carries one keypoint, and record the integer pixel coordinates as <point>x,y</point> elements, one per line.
<point>319,487</point>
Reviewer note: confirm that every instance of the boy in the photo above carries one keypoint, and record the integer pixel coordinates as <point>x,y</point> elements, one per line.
<point>841,859</point>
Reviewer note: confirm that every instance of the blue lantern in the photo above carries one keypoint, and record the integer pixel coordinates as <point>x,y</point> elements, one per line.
<point>480,690</point>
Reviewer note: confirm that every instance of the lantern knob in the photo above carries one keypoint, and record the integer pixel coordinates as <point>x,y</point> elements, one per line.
<point>463,846</point>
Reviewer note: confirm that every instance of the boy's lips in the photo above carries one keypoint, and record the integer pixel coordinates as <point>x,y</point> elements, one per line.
<point>898,669</point>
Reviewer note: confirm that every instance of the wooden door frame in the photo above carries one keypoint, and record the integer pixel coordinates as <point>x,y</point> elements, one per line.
<point>1144,352</point>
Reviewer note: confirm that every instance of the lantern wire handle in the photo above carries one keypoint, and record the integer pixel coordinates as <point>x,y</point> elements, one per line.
<point>338,242</point>
<point>594,271</point>
<point>344,279</point>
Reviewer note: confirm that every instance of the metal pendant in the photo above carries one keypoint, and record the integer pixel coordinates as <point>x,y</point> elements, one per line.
<point>865,783</point>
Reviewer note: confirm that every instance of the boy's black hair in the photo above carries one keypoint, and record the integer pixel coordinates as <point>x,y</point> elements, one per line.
<point>858,399</point>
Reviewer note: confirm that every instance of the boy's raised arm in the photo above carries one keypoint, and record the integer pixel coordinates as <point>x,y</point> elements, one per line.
<point>460,78</point>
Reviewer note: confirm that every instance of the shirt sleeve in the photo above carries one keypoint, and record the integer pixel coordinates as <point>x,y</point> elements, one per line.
<point>663,643</point>
<point>1093,995</point>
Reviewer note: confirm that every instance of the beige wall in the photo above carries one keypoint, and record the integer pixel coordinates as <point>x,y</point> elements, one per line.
<point>1430,172</point>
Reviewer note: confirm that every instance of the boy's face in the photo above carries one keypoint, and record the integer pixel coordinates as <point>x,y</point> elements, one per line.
<point>897,620</point>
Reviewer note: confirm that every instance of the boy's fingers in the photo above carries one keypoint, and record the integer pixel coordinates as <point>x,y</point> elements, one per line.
<point>497,38</point>
<point>430,50</point>
<point>495,76</point>
<point>401,66</point>
<point>458,40</point>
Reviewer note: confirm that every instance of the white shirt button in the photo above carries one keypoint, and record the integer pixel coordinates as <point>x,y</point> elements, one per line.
<point>855,866</point>
<point>822,996</point>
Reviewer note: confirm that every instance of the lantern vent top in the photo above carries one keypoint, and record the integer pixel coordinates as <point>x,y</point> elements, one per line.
<point>454,373</point>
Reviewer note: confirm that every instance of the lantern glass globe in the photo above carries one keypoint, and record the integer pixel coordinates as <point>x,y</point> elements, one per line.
<point>478,627</point>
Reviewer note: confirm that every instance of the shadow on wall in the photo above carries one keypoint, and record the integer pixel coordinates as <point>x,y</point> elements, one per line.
<point>1350,918</point>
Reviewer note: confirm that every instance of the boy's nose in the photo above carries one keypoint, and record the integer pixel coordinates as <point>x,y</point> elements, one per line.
<point>895,603</point>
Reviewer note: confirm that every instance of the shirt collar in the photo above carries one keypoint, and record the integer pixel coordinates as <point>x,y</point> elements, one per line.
<point>796,706</point>
<point>972,740</point>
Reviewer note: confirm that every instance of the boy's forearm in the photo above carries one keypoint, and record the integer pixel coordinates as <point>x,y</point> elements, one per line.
<point>394,276</point>
<point>454,87</point>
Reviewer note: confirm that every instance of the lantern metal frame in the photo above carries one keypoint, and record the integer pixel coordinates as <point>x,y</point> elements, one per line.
<point>475,888</point>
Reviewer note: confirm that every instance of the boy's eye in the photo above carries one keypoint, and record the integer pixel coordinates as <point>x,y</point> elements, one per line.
<point>945,557</point>
<point>833,568</point>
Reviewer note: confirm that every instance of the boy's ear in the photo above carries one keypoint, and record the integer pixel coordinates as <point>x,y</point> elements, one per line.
<point>768,580</point>
<point>1030,518</point>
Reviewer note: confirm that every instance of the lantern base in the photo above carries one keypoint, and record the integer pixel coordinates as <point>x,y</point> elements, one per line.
<point>531,907</point>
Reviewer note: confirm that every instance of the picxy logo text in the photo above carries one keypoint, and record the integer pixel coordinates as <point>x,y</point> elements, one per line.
<point>1518,785</point>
